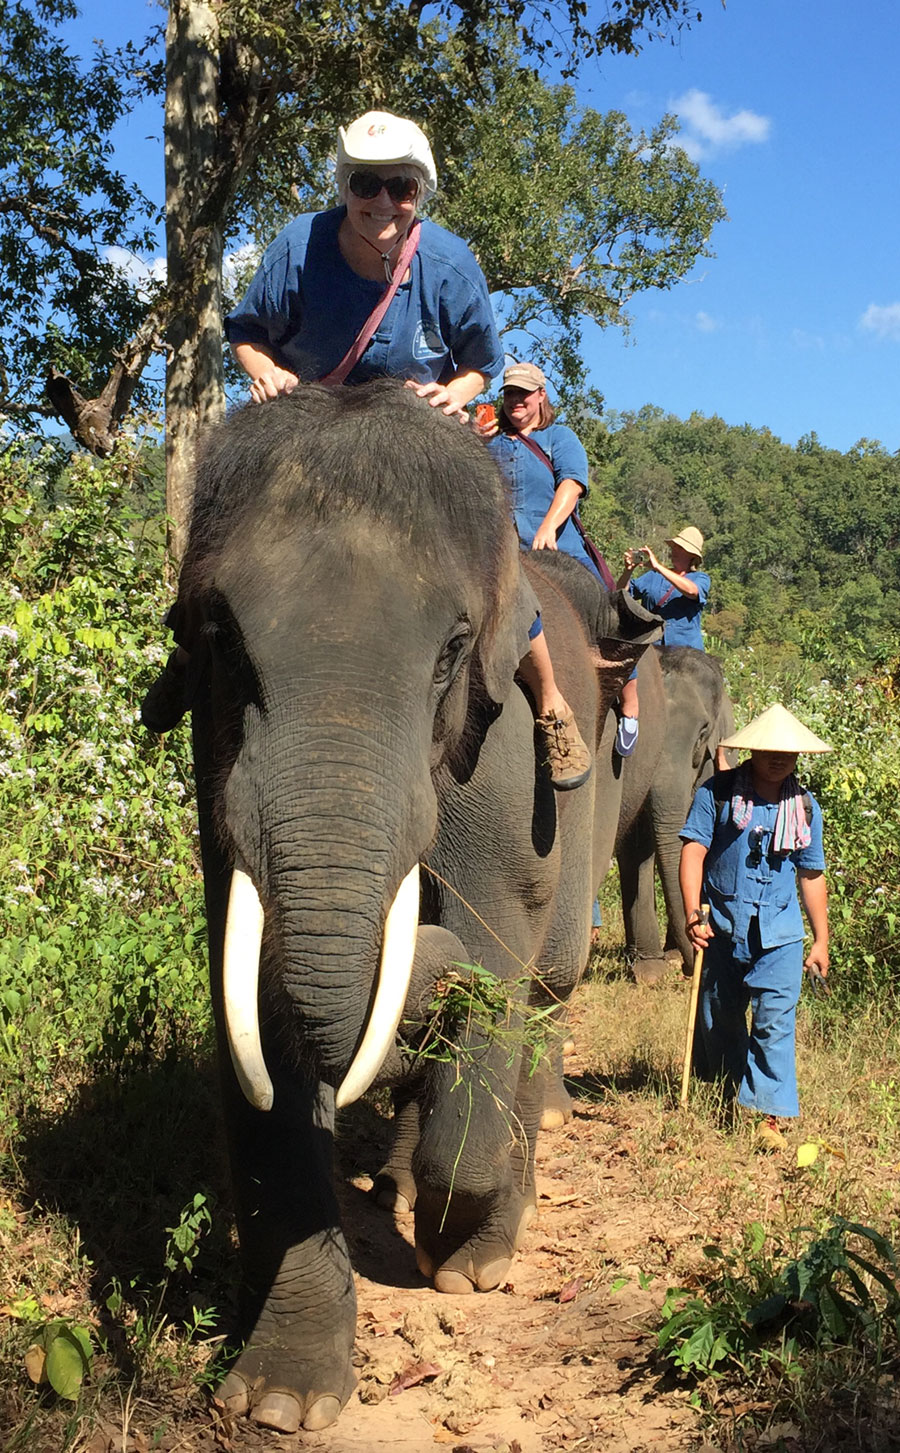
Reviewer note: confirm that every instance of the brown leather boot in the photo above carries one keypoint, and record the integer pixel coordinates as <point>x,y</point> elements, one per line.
<point>567,755</point>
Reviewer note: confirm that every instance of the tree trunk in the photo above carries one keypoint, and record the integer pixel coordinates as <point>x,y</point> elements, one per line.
<point>195,383</point>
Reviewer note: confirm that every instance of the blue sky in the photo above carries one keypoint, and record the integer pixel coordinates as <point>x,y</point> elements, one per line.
<point>795,323</point>
<point>791,107</point>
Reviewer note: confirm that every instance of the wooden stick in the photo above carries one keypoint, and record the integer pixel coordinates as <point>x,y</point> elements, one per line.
<point>692,1012</point>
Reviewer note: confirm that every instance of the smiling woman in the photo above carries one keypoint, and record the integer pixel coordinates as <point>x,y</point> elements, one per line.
<point>367,288</point>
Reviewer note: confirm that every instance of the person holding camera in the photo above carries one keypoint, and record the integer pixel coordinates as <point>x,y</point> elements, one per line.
<point>677,592</point>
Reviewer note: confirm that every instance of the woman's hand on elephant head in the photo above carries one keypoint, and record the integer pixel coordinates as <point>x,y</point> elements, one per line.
<point>271,383</point>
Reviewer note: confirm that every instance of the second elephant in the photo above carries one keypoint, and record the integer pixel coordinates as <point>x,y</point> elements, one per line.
<point>699,716</point>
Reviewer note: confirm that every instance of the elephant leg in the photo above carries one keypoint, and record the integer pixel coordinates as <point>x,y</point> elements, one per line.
<point>556,1101</point>
<point>437,953</point>
<point>474,1170</point>
<point>395,1186</point>
<point>298,1298</point>
<point>636,877</point>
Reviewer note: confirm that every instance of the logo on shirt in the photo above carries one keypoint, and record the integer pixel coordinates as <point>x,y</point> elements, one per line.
<point>427,342</point>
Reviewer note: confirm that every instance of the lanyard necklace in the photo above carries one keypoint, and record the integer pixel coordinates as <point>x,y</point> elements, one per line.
<point>386,256</point>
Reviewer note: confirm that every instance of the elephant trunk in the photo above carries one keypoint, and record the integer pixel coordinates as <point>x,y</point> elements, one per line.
<point>240,976</point>
<point>323,906</point>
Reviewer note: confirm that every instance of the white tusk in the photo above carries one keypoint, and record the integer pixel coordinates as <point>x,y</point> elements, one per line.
<point>240,985</point>
<point>397,952</point>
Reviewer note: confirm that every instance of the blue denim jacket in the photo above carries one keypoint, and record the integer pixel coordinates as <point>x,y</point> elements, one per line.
<point>307,305</point>
<point>737,886</point>
<point>533,486</point>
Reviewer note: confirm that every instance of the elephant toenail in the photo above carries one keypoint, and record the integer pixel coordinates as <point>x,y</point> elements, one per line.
<point>493,1273</point>
<point>454,1282</point>
<point>277,1410</point>
<point>322,1414</point>
<point>424,1263</point>
<point>234,1392</point>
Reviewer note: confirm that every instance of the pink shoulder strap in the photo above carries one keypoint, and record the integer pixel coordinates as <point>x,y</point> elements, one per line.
<point>363,338</point>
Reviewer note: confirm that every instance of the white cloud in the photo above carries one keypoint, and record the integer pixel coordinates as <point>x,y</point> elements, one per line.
<point>884,322</point>
<point>706,323</point>
<point>706,130</point>
<point>802,339</point>
<point>142,275</point>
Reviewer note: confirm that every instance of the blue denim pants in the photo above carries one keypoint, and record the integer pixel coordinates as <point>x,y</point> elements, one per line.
<point>758,1065</point>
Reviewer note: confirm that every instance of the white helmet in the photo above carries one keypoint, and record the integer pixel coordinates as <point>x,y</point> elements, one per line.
<point>379,138</point>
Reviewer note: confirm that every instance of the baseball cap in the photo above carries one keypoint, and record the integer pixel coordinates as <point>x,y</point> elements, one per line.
<point>523,375</point>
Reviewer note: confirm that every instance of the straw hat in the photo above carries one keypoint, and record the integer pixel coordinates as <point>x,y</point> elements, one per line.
<point>690,539</point>
<point>777,730</point>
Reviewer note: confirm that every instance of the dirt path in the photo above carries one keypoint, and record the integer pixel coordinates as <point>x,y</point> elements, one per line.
<point>556,1359</point>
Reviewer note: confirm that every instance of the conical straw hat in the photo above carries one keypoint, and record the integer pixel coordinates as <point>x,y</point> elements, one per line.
<point>777,730</point>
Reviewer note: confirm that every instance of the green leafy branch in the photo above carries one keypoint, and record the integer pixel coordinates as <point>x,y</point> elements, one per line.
<point>842,1288</point>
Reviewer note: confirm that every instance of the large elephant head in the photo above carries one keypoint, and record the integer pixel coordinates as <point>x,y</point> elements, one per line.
<point>352,599</point>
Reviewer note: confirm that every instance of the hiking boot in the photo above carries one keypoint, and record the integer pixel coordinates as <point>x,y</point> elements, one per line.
<point>767,1137</point>
<point>567,756</point>
<point>627,735</point>
<point>165,704</point>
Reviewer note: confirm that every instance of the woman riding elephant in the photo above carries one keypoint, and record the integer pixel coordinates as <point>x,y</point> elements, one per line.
<point>546,467</point>
<point>366,290</point>
<point>544,463</point>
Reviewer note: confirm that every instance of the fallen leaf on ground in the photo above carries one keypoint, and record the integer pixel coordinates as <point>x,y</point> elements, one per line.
<point>571,1289</point>
<point>36,1362</point>
<point>776,1433</point>
<point>413,1375</point>
<point>807,1153</point>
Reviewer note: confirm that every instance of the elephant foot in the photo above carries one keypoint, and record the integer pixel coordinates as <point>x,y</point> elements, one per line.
<point>395,1190</point>
<point>649,971</point>
<point>557,1104</point>
<point>289,1379</point>
<point>479,1263</point>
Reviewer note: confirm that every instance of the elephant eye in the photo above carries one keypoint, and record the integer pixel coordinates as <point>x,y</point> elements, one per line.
<point>452,654</point>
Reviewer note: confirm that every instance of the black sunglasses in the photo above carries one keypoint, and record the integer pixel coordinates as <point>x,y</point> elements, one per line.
<point>367,185</point>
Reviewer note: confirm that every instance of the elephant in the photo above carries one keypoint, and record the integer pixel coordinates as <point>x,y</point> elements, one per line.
<point>372,815</point>
<point>698,716</point>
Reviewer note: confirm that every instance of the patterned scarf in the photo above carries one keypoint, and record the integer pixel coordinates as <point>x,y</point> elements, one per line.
<point>792,831</point>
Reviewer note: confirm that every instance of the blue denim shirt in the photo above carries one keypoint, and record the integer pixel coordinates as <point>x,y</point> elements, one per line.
<point>681,613</point>
<point>739,889</point>
<point>306,306</point>
<point>533,486</point>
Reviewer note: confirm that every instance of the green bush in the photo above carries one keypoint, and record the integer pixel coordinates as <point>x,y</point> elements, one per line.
<point>101,890</point>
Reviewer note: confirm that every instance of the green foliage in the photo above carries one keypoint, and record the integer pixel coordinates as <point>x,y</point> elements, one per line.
<point>184,1239</point>
<point>765,1306</point>
<point>471,1008</point>
<point>102,955</point>
<point>64,202</point>
<point>801,543</point>
<point>61,1357</point>
<point>569,212</point>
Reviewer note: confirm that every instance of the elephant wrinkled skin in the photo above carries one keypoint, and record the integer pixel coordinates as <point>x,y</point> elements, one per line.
<point>698,717</point>
<point>354,604</point>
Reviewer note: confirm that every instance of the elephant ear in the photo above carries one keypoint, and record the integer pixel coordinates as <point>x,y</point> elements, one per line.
<point>504,640</point>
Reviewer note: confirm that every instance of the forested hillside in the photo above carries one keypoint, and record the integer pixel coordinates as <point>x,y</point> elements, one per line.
<point>801,542</point>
